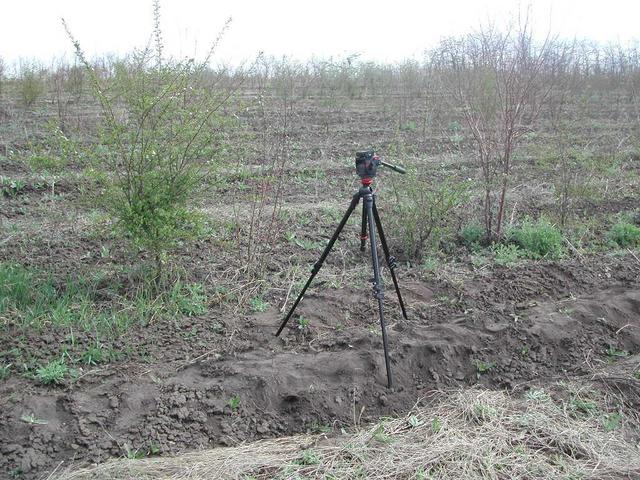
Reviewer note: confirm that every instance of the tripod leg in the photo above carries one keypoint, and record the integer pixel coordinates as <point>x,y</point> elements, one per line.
<point>378,288</point>
<point>363,232</point>
<point>391,261</point>
<point>325,253</point>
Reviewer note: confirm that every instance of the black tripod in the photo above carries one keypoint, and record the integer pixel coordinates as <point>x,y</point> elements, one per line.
<point>366,165</point>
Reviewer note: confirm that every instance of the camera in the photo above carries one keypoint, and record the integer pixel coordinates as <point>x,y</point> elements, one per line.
<point>367,164</point>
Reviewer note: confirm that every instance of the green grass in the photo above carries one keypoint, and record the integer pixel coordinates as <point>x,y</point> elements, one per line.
<point>539,240</point>
<point>624,234</point>
<point>76,306</point>
<point>52,373</point>
<point>506,255</point>
<point>259,305</point>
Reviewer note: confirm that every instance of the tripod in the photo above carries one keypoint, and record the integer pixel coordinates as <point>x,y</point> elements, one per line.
<point>370,222</point>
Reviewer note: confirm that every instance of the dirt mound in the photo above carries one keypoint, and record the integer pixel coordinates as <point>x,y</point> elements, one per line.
<point>470,433</point>
<point>521,325</point>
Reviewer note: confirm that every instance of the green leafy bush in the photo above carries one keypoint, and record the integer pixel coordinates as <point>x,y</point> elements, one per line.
<point>160,127</point>
<point>624,234</point>
<point>424,210</point>
<point>539,240</point>
<point>472,234</point>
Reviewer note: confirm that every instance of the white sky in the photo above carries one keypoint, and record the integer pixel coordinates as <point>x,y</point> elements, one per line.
<point>378,30</point>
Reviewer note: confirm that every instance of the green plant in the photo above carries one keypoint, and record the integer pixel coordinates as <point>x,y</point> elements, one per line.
<point>611,421</point>
<point>94,354</point>
<point>624,234</point>
<point>303,323</point>
<point>537,395</point>
<point>189,299</point>
<point>30,84</point>
<point>381,435</point>
<point>11,187</point>
<point>4,371</point>
<point>159,140</point>
<point>308,457</point>
<point>424,210</point>
<point>583,405</point>
<point>234,403</point>
<point>319,427</point>
<point>52,373</point>
<point>259,305</point>
<point>539,240</point>
<point>32,419</point>
<point>472,234</point>
<point>506,255</point>
<point>612,352</point>
<point>482,367</point>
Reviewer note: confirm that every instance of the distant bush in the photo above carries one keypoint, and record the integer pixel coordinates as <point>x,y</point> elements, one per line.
<point>30,84</point>
<point>624,234</point>
<point>539,240</point>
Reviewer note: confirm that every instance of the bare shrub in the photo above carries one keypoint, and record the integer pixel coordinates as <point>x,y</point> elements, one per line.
<point>499,81</point>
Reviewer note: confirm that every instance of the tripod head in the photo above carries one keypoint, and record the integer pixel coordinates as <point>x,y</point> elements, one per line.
<point>367,164</point>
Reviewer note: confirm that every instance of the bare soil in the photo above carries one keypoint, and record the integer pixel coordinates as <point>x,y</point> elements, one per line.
<point>527,325</point>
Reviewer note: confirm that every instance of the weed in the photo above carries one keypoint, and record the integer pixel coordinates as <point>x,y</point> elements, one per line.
<point>613,353</point>
<point>318,427</point>
<point>234,403</point>
<point>11,187</point>
<point>424,210</point>
<point>524,351</point>
<point>94,354</point>
<point>636,375</point>
<point>611,421</point>
<point>506,255</point>
<point>308,457</point>
<point>381,436</point>
<point>4,371</point>
<point>414,421</point>
<point>189,299</point>
<point>537,396</point>
<point>52,373</point>
<point>430,264</point>
<point>259,305</point>
<point>472,234</point>
<point>539,240</point>
<point>585,406</point>
<point>303,323</point>
<point>624,234</point>
<point>33,420</point>
<point>436,425</point>
<point>483,412</point>
<point>483,367</point>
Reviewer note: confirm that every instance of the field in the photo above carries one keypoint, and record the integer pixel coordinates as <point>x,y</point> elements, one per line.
<point>99,362</point>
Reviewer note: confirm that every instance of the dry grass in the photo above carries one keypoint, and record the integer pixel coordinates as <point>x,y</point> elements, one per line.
<point>465,434</point>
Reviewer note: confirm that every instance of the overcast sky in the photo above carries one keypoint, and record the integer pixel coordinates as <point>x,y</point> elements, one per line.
<point>378,30</point>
